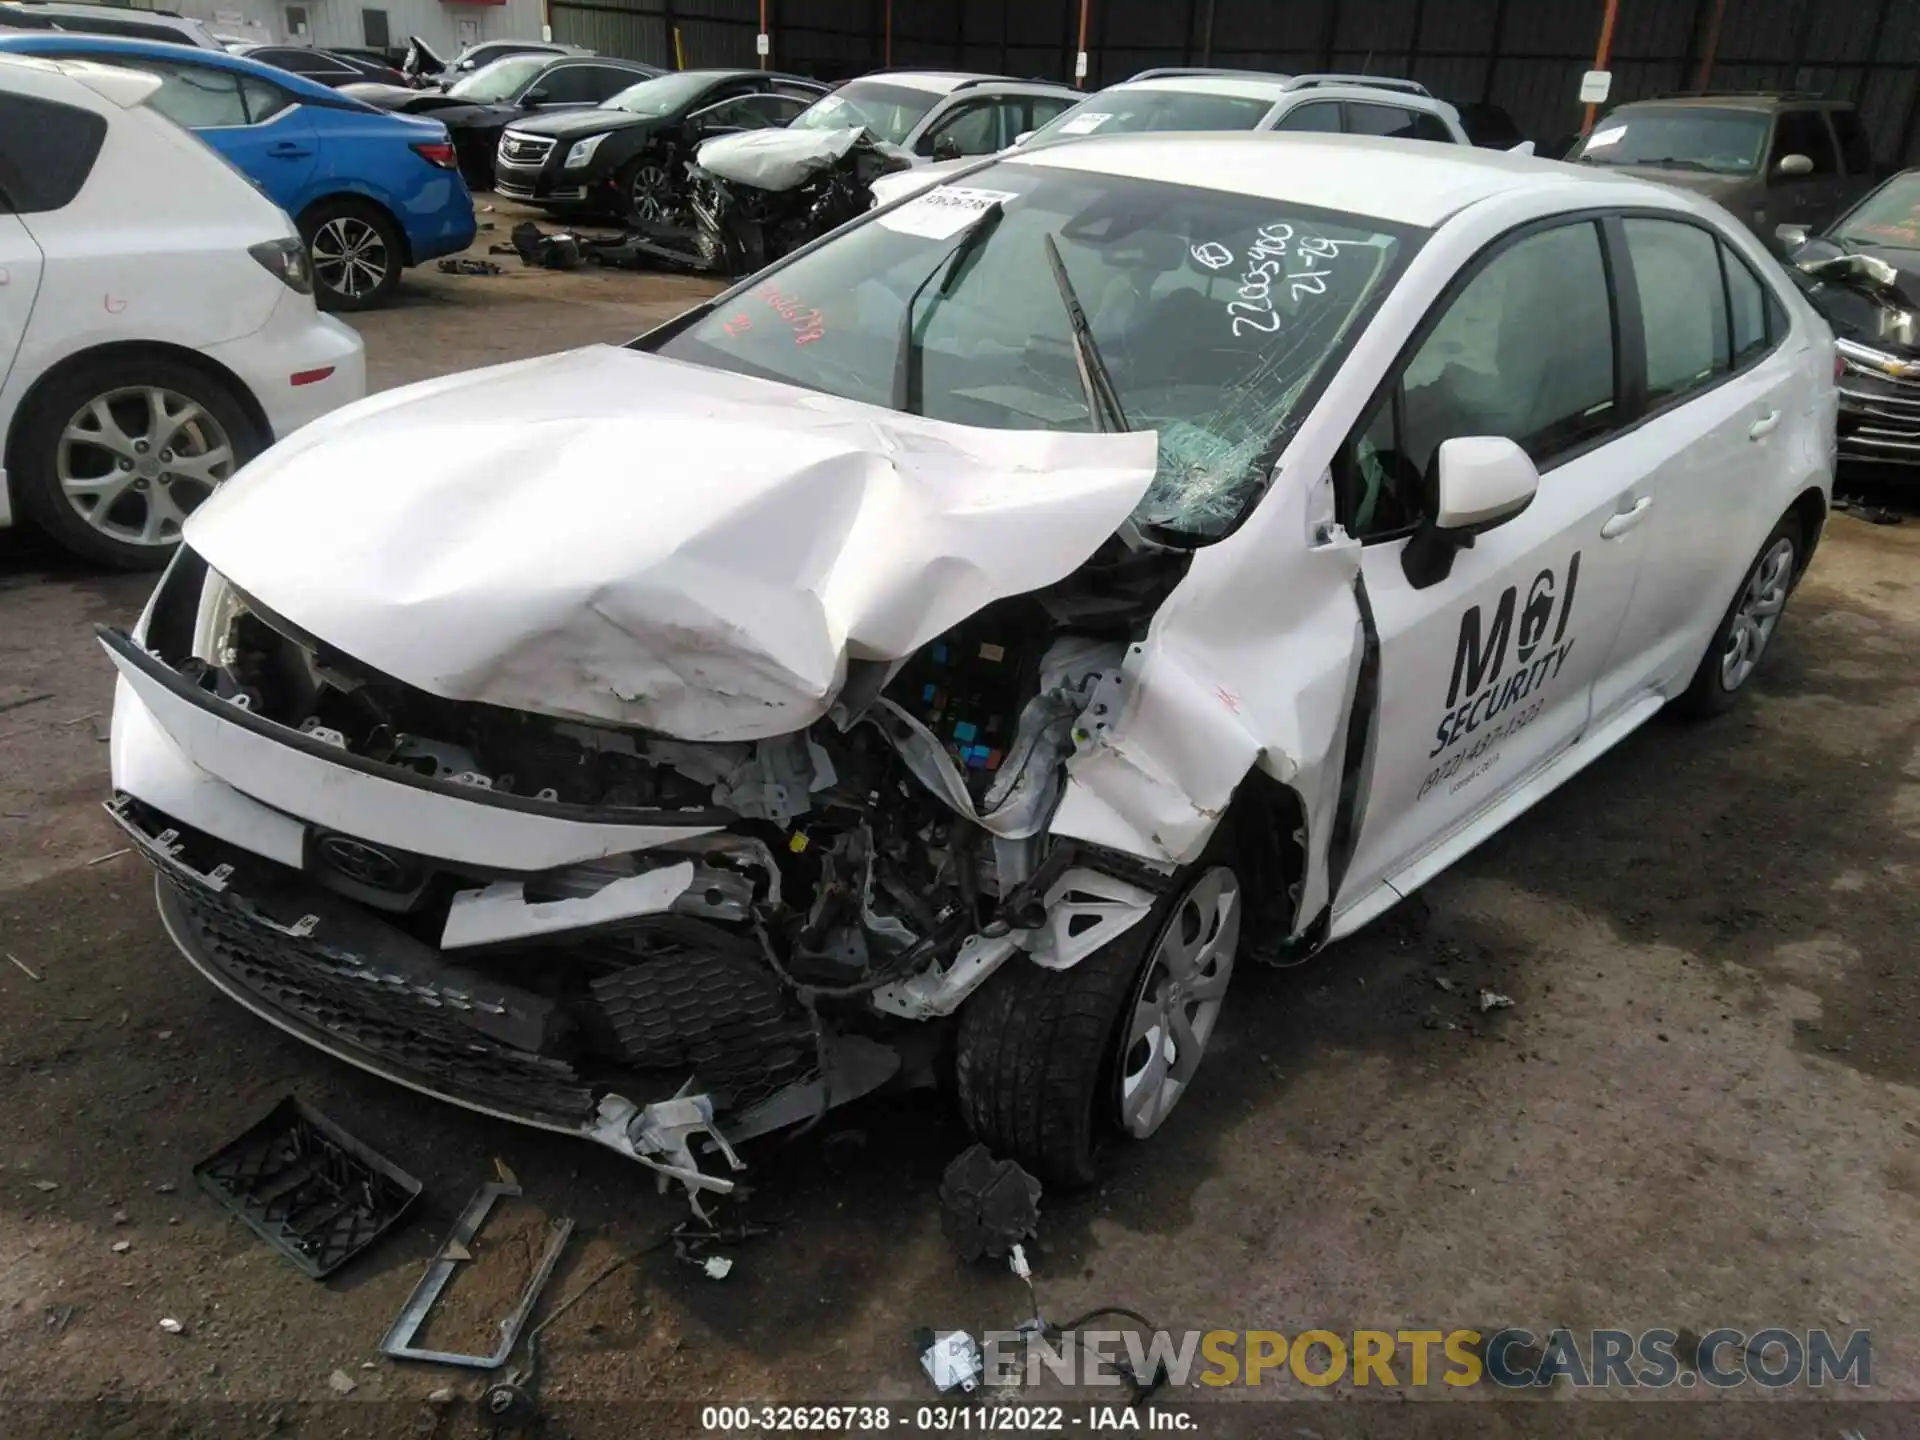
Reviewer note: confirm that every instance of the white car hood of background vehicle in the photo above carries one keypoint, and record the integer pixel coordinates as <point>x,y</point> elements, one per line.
<point>612,536</point>
<point>775,159</point>
<point>902,183</point>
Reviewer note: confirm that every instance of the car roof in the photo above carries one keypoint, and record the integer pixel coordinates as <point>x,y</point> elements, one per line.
<point>1405,182</point>
<point>113,83</point>
<point>939,82</point>
<point>1732,100</point>
<point>1245,87</point>
<point>105,47</point>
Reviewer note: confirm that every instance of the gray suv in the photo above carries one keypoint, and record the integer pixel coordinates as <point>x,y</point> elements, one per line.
<point>1772,158</point>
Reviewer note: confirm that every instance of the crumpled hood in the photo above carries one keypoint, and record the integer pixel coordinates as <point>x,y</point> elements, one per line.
<point>612,536</point>
<point>775,159</point>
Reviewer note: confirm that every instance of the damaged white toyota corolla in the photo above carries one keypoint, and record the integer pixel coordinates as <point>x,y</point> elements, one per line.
<point>955,646</point>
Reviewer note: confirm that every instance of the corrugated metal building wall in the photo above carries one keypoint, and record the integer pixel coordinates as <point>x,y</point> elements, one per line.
<point>1524,55</point>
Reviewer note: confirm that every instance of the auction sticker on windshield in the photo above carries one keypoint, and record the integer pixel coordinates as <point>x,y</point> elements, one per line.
<point>942,213</point>
<point>1600,139</point>
<point>1085,124</point>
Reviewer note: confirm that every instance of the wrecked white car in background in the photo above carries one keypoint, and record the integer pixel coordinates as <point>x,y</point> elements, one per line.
<point>1002,614</point>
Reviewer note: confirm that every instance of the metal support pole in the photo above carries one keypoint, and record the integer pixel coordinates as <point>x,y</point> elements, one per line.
<point>1711,49</point>
<point>764,41</point>
<point>1493,50</point>
<point>1080,53</point>
<point>1602,52</point>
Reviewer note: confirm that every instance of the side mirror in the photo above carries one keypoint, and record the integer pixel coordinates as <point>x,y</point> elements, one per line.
<point>533,97</point>
<point>1791,237</point>
<point>1791,167</point>
<point>1022,138</point>
<point>946,148</point>
<point>1479,482</point>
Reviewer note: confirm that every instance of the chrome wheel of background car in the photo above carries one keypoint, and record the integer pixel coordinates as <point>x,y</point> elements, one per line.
<point>134,462</point>
<point>650,193</point>
<point>350,256</point>
<point>1177,1000</point>
<point>1758,612</point>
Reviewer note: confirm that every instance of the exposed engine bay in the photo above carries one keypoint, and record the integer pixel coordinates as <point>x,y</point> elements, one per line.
<point>841,873</point>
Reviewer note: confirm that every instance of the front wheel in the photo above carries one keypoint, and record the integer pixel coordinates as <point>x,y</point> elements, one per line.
<point>647,192</point>
<point>1735,650</point>
<point>1051,1064</point>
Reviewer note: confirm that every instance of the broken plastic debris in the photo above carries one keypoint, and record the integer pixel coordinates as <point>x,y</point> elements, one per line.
<point>950,1358</point>
<point>1494,1000</point>
<point>172,1326</point>
<point>1017,1262</point>
<point>1445,984</point>
<point>120,1247</point>
<point>987,1204</point>
<point>45,1185</point>
<point>341,1383</point>
<point>717,1266</point>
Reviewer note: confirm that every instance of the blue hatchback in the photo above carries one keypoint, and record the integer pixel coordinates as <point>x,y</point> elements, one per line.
<point>371,192</point>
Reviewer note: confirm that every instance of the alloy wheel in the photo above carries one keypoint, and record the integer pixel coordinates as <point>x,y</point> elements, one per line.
<point>648,194</point>
<point>1177,1001</point>
<point>350,256</point>
<point>1757,614</point>
<point>134,462</point>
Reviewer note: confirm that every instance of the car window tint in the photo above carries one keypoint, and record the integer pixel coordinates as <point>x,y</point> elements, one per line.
<point>1746,307</point>
<point>47,151</point>
<point>1804,132</point>
<point>1683,307</point>
<point>603,82</point>
<point>1856,150</point>
<point>196,96</point>
<point>1431,127</point>
<point>1323,118</point>
<point>1047,109</point>
<point>1388,120</point>
<point>1524,351</point>
<point>567,85</point>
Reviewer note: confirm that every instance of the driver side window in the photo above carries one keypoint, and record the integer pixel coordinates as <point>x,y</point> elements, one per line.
<point>974,128</point>
<point>1525,349</point>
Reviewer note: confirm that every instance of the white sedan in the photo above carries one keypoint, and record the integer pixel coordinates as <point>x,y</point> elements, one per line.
<point>157,327</point>
<point>1003,614</point>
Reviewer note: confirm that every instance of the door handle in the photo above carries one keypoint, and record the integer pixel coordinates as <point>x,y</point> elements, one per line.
<point>1620,524</point>
<point>287,150</point>
<point>1764,426</point>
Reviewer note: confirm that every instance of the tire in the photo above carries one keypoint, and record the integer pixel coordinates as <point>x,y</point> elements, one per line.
<point>355,251</point>
<point>1741,640</point>
<point>1043,1058</point>
<point>645,173</point>
<point>87,461</point>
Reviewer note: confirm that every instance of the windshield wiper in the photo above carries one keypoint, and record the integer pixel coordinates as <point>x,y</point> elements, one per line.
<point>1103,401</point>
<point>906,365</point>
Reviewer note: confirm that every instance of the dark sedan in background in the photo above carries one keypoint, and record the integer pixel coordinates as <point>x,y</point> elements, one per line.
<point>627,159</point>
<point>1863,273</point>
<point>334,68</point>
<point>476,108</point>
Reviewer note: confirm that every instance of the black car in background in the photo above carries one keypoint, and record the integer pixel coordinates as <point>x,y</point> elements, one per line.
<point>1863,274</point>
<point>627,160</point>
<point>477,107</point>
<point>324,67</point>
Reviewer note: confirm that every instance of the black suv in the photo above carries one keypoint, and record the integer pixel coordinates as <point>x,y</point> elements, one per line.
<point>1773,158</point>
<point>627,158</point>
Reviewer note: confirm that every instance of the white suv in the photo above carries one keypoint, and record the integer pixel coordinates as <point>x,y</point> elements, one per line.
<point>1205,99</point>
<point>157,326</point>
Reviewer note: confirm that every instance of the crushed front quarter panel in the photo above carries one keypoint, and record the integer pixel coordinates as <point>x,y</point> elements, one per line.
<point>565,537</point>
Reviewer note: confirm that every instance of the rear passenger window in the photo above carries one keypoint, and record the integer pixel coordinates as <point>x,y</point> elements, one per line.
<point>196,96</point>
<point>1683,306</point>
<point>1388,120</point>
<point>1430,127</point>
<point>47,151</point>
<point>1747,308</point>
<point>1524,350</point>
<point>1322,118</point>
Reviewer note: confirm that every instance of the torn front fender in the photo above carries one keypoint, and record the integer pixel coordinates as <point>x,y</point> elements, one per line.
<point>1254,659</point>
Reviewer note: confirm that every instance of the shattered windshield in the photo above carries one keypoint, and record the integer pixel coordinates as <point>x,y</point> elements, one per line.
<point>1218,315</point>
<point>889,111</point>
<point>1137,108</point>
<point>1889,217</point>
<point>501,80</point>
<point>1686,137</point>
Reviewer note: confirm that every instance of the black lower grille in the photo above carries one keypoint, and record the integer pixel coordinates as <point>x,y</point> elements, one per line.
<point>353,1002</point>
<point>688,998</point>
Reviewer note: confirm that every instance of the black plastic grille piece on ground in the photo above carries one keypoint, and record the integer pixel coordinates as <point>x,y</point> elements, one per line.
<point>308,1188</point>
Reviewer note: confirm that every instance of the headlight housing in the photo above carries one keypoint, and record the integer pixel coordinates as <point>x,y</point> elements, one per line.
<point>582,151</point>
<point>287,259</point>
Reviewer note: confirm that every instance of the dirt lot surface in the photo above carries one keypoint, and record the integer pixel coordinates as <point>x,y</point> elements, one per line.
<point>1702,1108</point>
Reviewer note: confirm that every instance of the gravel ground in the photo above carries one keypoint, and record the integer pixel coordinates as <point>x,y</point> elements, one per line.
<point>1700,1110</point>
